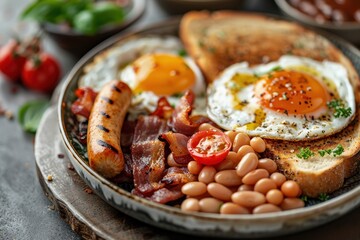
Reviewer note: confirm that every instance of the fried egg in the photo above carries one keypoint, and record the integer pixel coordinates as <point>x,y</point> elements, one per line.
<point>152,67</point>
<point>293,98</point>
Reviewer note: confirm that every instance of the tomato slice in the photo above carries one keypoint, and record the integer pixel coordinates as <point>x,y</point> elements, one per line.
<point>209,147</point>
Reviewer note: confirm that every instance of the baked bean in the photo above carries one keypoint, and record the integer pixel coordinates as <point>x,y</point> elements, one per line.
<point>194,188</point>
<point>232,208</point>
<point>231,134</point>
<point>266,208</point>
<point>194,167</point>
<point>190,204</point>
<point>255,175</point>
<point>248,198</point>
<point>219,191</point>
<point>207,174</point>
<point>171,162</point>
<point>292,203</point>
<point>274,196</point>
<point>268,164</point>
<point>245,187</point>
<point>290,188</point>
<point>278,178</point>
<point>229,162</point>
<point>228,178</point>
<point>240,139</point>
<point>210,205</point>
<point>258,144</point>
<point>243,150</point>
<point>207,126</point>
<point>248,163</point>
<point>264,185</point>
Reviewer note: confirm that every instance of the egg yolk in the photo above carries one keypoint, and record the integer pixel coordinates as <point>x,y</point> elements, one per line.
<point>162,74</point>
<point>291,92</point>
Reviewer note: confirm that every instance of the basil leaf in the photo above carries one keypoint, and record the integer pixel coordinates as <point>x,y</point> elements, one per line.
<point>84,16</point>
<point>44,11</point>
<point>71,8</point>
<point>85,22</point>
<point>55,11</point>
<point>29,114</point>
<point>108,13</point>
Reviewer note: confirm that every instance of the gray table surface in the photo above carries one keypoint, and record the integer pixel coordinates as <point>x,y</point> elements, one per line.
<point>25,212</point>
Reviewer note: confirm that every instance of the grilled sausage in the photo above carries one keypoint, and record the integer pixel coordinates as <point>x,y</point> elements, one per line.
<point>105,123</point>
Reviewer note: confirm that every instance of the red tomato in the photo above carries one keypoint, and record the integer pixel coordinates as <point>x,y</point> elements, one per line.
<point>209,147</point>
<point>11,61</point>
<point>41,73</point>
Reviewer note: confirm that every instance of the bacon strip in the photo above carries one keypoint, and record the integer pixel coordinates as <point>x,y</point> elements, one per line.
<point>178,146</point>
<point>165,195</point>
<point>149,128</point>
<point>83,105</point>
<point>164,109</point>
<point>181,120</point>
<point>177,176</point>
<point>148,154</point>
<point>162,195</point>
<point>148,165</point>
<point>127,134</point>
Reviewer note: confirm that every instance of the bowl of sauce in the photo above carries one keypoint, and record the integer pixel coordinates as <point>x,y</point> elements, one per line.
<point>341,17</point>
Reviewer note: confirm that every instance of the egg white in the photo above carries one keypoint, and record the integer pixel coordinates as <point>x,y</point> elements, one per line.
<point>277,125</point>
<point>115,64</point>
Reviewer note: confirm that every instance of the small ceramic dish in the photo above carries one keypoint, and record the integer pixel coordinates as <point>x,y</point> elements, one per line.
<point>349,31</point>
<point>204,224</point>
<point>78,44</point>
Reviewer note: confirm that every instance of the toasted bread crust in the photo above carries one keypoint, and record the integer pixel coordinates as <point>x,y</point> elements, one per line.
<point>223,38</point>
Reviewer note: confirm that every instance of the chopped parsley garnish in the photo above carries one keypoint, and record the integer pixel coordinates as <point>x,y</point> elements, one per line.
<point>182,53</point>
<point>323,197</point>
<point>305,153</point>
<point>304,198</point>
<point>339,108</point>
<point>338,150</point>
<point>323,152</point>
<point>277,68</point>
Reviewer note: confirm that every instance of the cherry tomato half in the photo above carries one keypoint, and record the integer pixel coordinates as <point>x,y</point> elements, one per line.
<point>41,73</point>
<point>209,147</point>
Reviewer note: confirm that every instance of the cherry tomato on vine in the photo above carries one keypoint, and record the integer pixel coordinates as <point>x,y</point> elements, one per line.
<point>41,73</point>
<point>11,61</point>
<point>209,147</point>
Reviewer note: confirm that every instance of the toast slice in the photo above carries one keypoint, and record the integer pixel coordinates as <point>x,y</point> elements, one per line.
<point>220,39</point>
